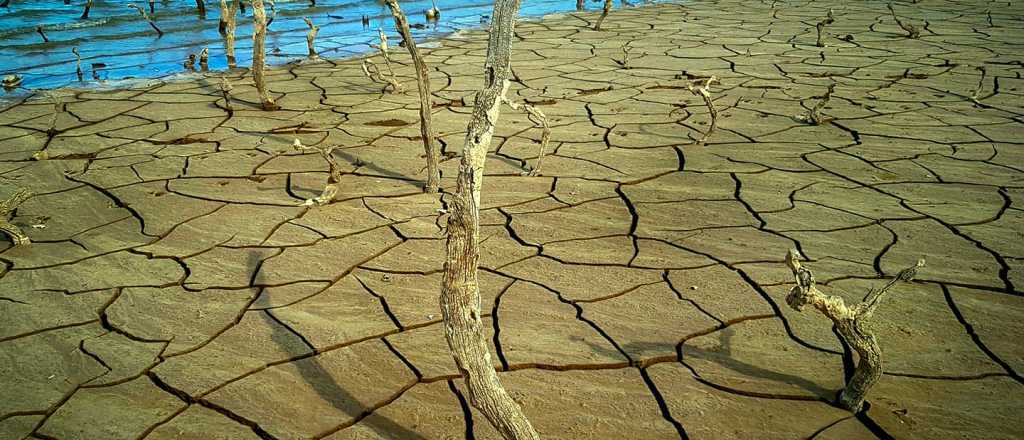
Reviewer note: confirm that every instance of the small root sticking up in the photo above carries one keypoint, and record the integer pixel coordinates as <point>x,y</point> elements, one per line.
<point>333,179</point>
<point>311,38</point>
<point>433,14</point>
<point>625,56</point>
<point>85,13</point>
<point>190,62</point>
<point>540,121</point>
<point>814,115</point>
<point>225,91</point>
<point>39,30</point>
<point>204,59</point>
<point>604,14</point>
<point>912,31</point>
<point>821,28</point>
<point>373,72</point>
<point>976,95</point>
<point>58,108</point>
<point>6,207</point>
<point>702,90</point>
<point>850,322</point>
<point>145,16</point>
<point>78,63</point>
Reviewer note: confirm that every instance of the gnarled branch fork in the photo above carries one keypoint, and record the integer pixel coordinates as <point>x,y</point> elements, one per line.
<point>540,121</point>
<point>702,89</point>
<point>373,72</point>
<point>6,207</point>
<point>333,178</point>
<point>912,31</point>
<point>311,38</point>
<point>821,27</point>
<point>850,322</point>
<point>146,17</point>
<point>604,14</point>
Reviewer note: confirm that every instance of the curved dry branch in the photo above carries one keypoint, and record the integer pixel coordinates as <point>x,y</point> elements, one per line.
<point>976,95</point>
<point>821,27</point>
<point>814,115</point>
<point>334,175</point>
<point>850,322</point>
<point>373,72</point>
<point>426,102</point>
<point>146,17</point>
<point>702,89</point>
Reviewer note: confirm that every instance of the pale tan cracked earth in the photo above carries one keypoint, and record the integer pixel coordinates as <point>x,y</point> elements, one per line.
<point>635,288</point>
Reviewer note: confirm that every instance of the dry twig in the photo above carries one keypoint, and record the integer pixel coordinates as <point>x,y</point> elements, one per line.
<point>814,115</point>
<point>6,207</point>
<point>540,121</point>
<point>702,89</point>
<point>912,31</point>
<point>146,17</point>
<point>333,178</point>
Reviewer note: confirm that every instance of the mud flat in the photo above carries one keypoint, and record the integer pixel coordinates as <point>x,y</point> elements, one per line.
<point>176,288</point>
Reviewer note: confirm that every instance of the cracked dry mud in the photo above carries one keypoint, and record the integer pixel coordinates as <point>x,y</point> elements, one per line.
<point>636,288</point>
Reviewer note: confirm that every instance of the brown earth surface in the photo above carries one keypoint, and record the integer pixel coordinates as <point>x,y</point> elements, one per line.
<point>177,289</point>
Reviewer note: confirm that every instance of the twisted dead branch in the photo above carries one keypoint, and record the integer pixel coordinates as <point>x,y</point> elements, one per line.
<point>976,95</point>
<point>540,121</point>
<point>333,177</point>
<point>814,115</point>
<point>625,56</point>
<point>427,133</point>
<point>911,30</point>
<point>850,322</point>
<point>373,72</point>
<point>145,16</point>
<point>701,88</point>
<point>6,207</point>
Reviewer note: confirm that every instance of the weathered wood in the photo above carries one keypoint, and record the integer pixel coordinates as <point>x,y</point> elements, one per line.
<point>311,38</point>
<point>259,17</point>
<point>201,8</point>
<point>460,292</point>
<point>540,121</point>
<point>820,27</point>
<point>228,13</point>
<point>814,115</point>
<point>911,30</point>
<point>78,62</point>
<point>85,13</point>
<point>427,133</point>
<point>850,323</point>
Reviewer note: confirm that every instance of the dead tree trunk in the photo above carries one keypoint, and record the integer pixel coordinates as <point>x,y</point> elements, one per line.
<point>460,293</point>
<point>604,14</point>
<point>228,15</point>
<point>426,102</point>
<point>850,322</point>
<point>259,17</point>
<point>311,38</point>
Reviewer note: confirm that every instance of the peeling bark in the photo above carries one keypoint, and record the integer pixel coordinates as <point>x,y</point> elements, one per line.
<point>850,322</point>
<point>604,14</point>
<point>333,178</point>
<point>705,94</point>
<point>259,17</point>
<point>540,121</point>
<point>460,292</point>
<point>426,102</point>
<point>311,38</point>
<point>6,207</point>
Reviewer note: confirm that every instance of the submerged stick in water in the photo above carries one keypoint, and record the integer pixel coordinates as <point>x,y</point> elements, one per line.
<point>145,16</point>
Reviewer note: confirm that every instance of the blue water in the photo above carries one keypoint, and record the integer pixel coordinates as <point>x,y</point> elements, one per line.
<point>117,36</point>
